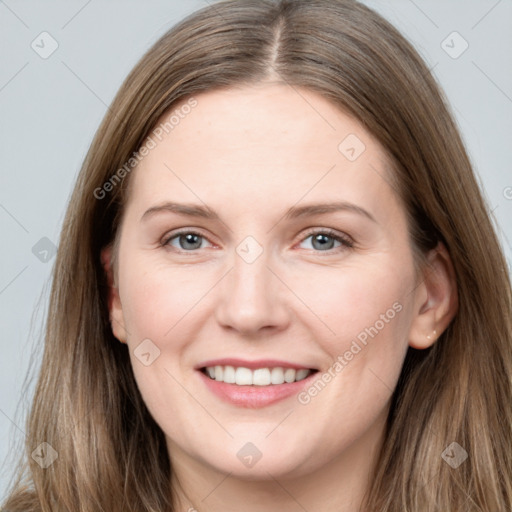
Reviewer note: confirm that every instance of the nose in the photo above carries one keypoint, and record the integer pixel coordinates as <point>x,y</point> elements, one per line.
<point>252,298</point>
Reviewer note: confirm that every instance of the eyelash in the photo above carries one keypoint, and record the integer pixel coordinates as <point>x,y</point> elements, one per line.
<point>345,241</point>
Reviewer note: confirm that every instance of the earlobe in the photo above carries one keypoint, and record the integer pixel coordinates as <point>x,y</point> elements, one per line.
<point>436,301</point>
<point>113,299</point>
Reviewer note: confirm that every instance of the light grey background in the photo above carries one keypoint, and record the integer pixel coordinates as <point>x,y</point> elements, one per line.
<point>50,109</point>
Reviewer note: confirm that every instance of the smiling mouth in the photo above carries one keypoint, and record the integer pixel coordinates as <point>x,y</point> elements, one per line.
<point>242,376</point>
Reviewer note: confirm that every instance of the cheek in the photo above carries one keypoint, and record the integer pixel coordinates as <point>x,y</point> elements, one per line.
<point>157,301</point>
<point>369,312</point>
<point>157,306</point>
<point>367,316</point>
<point>355,299</point>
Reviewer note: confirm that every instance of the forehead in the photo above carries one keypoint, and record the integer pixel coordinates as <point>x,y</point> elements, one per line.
<point>273,143</point>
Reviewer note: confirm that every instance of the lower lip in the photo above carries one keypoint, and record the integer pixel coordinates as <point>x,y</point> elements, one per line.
<point>254,397</point>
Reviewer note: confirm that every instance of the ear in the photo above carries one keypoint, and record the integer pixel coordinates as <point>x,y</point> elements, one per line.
<point>436,300</point>
<point>114,301</point>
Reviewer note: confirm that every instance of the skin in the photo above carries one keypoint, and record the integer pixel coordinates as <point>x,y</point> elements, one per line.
<point>250,154</point>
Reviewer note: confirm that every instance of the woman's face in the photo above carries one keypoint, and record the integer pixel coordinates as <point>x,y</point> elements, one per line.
<point>262,234</point>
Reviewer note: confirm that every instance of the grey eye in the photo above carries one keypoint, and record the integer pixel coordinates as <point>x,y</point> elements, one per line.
<point>322,241</point>
<point>186,241</point>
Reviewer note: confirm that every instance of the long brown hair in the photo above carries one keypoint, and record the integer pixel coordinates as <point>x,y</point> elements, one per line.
<point>111,454</point>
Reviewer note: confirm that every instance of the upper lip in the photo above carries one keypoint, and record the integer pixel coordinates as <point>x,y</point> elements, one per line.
<point>253,365</point>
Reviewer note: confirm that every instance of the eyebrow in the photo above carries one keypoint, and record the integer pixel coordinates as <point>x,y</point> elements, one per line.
<point>203,211</point>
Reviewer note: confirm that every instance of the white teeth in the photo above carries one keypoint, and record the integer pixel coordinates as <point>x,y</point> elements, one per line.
<point>277,376</point>
<point>289,375</point>
<point>259,377</point>
<point>229,375</point>
<point>243,377</point>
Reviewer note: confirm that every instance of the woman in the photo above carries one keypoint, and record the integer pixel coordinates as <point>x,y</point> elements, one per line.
<point>277,285</point>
